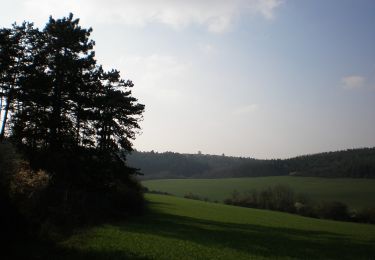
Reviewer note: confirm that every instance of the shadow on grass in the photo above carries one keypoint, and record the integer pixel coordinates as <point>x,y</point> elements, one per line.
<point>255,240</point>
<point>33,249</point>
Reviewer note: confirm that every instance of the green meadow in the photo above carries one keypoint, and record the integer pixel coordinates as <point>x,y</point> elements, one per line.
<point>177,228</point>
<point>356,193</point>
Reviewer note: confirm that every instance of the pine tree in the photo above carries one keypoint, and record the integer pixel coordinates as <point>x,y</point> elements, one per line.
<point>61,105</point>
<point>12,62</point>
<point>66,115</point>
<point>69,61</point>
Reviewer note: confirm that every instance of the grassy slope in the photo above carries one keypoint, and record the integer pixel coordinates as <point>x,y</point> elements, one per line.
<point>356,193</point>
<point>177,228</point>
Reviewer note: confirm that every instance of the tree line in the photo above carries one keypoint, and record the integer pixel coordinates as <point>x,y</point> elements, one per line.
<point>353,163</point>
<point>283,198</point>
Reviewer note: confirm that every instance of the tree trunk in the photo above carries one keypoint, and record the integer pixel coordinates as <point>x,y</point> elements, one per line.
<point>1,105</point>
<point>6,110</point>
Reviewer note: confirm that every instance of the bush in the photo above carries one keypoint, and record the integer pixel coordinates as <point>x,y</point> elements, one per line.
<point>157,192</point>
<point>13,225</point>
<point>278,197</point>
<point>21,190</point>
<point>128,197</point>
<point>304,209</point>
<point>71,206</point>
<point>9,163</point>
<point>26,188</point>
<point>91,191</point>
<point>333,210</point>
<point>304,206</point>
<point>283,198</point>
<point>194,197</point>
<point>366,215</point>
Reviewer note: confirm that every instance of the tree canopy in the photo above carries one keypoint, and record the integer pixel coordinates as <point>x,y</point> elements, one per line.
<point>60,107</point>
<point>353,163</point>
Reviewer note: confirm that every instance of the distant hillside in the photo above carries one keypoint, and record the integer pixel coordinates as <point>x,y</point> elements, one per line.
<point>354,163</point>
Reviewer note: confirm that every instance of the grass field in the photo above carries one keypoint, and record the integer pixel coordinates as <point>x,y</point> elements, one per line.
<point>356,193</point>
<point>177,228</point>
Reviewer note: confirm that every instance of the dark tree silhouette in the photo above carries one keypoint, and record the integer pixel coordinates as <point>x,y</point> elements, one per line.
<point>64,112</point>
<point>13,57</point>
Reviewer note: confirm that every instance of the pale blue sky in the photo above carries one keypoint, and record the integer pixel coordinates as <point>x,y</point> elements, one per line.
<point>258,78</point>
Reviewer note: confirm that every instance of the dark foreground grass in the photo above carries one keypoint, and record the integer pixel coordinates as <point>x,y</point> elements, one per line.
<point>177,228</point>
<point>356,193</point>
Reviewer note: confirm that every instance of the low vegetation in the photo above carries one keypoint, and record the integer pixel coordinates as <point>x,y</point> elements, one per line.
<point>194,197</point>
<point>283,198</point>
<point>279,197</point>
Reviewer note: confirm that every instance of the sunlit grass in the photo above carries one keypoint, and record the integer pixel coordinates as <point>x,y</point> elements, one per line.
<point>356,193</point>
<point>176,228</point>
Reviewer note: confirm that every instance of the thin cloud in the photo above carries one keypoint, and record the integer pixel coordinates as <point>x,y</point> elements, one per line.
<point>244,110</point>
<point>216,16</point>
<point>267,7</point>
<point>353,82</point>
<point>156,75</point>
<point>207,48</point>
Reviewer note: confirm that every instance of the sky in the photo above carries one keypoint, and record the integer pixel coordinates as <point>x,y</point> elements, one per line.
<point>252,78</point>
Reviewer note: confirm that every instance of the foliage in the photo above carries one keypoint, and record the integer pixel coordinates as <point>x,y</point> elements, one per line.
<point>366,215</point>
<point>283,198</point>
<point>333,210</point>
<point>352,163</point>
<point>20,192</point>
<point>194,197</point>
<point>146,190</point>
<point>26,190</point>
<point>356,163</point>
<point>68,117</point>
<point>80,207</point>
<point>25,182</point>
<point>164,165</point>
<point>9,163</point>
<point>278,197</point>
<point>58,99</point>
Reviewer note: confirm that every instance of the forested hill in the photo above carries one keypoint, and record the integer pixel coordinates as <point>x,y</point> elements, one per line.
<point>354,163</point>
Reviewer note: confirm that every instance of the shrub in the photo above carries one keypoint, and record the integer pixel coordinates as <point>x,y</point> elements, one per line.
<point>366,215</point>
<point>128,197</point>
<point>71,206</point>
<point>194,197</point>
<point>283,198</point>
<point>304,209</point>
<point>9,163</point>
<point>279,197</point>
<point>26,188</point>
<point>333,210</point>
<point>13,225</point>
<point>158,192</point>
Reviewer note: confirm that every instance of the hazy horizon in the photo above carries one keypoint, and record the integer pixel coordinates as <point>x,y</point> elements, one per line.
<point>251,78</point>
<point>252,157</point>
